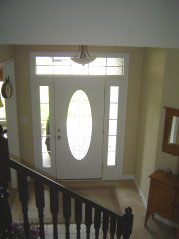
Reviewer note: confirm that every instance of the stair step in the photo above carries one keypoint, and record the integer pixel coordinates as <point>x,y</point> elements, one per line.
<point>61,231</point>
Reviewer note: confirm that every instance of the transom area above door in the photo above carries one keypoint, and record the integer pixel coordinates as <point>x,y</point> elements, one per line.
<point>47,65</point>
<point>47,69</point>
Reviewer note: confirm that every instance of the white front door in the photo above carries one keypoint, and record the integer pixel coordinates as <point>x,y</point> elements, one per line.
<point>79,117</point>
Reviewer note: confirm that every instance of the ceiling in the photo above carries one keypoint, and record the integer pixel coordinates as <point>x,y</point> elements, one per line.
<point>143,23</point>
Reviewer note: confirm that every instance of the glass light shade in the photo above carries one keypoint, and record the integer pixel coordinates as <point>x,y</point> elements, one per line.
<point>82,61</point>
<point>82,57</point>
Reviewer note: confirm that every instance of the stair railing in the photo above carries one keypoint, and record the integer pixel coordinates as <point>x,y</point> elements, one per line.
<point>116,225</point>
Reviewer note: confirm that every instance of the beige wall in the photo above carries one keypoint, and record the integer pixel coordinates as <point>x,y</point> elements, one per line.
<point>152,82</point>
<point>160,87</point>
<point>24,98</point>
<point>170,98</point>
<point>6,52</point>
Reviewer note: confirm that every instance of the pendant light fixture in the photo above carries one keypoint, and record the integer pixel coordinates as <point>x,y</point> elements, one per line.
<point>82,56</point>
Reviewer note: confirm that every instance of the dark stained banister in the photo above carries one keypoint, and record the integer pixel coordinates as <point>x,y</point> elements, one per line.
<point>35,173</point>
<point>104,218</point>
<point>5,213</point>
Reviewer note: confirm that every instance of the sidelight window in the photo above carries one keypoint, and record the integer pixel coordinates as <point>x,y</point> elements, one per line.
<point>45,126</point>
<point>113,122</point>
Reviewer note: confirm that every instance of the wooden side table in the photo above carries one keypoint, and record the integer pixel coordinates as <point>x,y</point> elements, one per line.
<point>163,196</point>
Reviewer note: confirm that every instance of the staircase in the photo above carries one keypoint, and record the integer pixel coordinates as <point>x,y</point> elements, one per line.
<point>99,222</point>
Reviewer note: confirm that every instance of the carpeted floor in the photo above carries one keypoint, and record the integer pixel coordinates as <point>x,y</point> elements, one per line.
<point>109,194</point>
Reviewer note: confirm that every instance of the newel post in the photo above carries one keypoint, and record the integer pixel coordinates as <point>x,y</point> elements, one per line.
<point>6,217</point>
<point>127,223</point>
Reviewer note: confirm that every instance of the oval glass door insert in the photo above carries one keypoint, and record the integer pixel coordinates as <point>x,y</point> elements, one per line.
<point>79,124</point>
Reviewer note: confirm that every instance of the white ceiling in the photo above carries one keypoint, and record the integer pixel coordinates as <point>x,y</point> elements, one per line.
<point>93,22</point>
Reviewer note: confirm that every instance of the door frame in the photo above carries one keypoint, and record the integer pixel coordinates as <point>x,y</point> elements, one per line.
<point>108,172</point>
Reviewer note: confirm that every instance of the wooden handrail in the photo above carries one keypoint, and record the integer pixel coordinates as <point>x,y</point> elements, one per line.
<point>35,173</point>
<point>121,225</point>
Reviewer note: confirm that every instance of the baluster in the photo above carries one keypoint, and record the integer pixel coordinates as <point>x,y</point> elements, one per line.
<point>88,220</point>
<point>105,224</point>
<point>40,204</point>
<point>24,197</point>
<point>119,227</point>
<point>54,209</point>
<point>127,223</point>
<point>112,226</point>
<point>78,216</point>
<point>97,222</point>
<point>5,213</point>
<point>67,212</point>
<point>6,217</point>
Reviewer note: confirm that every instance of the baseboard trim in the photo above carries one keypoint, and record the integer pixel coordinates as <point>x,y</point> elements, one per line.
<point>140,193</point>
<point>168,222</point>
<point>128,177</point>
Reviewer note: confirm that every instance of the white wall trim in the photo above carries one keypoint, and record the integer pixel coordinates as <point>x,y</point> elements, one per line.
<point>127,177</point>
<point>141,194</point>
<point>161,219</point>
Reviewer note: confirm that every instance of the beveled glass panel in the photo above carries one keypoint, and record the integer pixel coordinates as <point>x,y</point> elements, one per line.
<point>115,61</point>
<point>61,70</point>
<point>111,143</point>
<point>112,127</point>
<point>113,111</point>
<point>79,70</point>
<point>44,94</point>
<point>114,94</point>
<point>44,70</point>
<point>111,158</point>
<point>46,160</point>
<point>98,62</point>
<point>44,111</point>
<point>114,71</point>
<point>79,124</point>
<point>45,139</point>
<point>44,60</point>
<point>62,61</point>
<point>44,128</point>
<point>97,70</point>
<point>65,66</point>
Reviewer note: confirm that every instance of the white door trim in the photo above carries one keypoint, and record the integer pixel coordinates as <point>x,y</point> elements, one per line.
<point>108,173</point>
<point>115,172</point>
